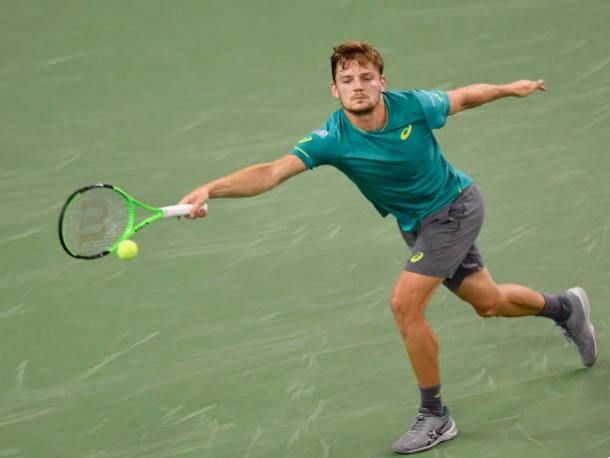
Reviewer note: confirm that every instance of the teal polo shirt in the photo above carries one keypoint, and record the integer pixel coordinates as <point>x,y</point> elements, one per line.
<point>400,168</point>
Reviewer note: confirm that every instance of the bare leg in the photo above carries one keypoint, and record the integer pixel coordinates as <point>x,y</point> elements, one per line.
<point>491,299</point>
<point>410,297</point>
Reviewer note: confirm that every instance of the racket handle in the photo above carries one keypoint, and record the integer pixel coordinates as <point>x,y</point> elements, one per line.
<point>179,210</point>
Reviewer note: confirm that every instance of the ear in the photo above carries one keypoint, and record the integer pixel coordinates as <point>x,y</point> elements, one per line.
<point>333,90</point>
<point>384,82</point>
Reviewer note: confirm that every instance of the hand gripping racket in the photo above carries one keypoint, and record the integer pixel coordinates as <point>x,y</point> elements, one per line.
<point>96,218</point>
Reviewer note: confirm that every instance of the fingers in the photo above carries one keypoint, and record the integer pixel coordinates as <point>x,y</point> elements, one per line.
<point>199,203</point>
<point>196,210</point>
<point>199,209</point>
<point>185,200</point>
<point>524,88</point>
<point>202,212</point>
<point>535,85</point>
<point>540,85</point>
<point>197,200</point>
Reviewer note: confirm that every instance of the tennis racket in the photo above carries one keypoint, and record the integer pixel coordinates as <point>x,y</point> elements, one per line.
<point>96,218</point>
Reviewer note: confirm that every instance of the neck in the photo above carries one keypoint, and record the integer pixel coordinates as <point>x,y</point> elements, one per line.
<point>371,120</point>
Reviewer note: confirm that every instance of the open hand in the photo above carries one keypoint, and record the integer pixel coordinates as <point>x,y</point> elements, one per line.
<point>523,88</point>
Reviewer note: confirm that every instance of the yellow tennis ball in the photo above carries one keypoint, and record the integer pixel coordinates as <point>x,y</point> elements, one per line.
<point>127,250</point>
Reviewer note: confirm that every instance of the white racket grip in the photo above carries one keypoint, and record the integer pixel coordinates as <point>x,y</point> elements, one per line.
<point>179,210</point>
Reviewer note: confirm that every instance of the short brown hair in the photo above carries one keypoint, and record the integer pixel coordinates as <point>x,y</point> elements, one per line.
<point>358,50</point>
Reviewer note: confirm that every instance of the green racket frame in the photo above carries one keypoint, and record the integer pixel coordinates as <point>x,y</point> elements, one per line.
<point>131,228</point>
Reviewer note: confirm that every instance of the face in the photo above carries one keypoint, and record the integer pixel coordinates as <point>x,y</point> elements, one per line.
<point>358,87</point>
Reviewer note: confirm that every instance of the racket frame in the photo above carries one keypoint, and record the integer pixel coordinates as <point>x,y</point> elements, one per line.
<point>131,227</point>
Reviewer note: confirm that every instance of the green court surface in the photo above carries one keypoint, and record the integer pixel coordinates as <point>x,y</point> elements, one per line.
<point>265,330</point>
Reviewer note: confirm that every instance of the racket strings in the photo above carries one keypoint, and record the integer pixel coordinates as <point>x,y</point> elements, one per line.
<point>94,221</point>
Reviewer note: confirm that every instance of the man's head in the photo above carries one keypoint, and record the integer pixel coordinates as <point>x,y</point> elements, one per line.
<point>358,81</point>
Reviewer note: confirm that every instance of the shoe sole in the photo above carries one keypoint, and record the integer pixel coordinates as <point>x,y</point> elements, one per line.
<point>584,301</point>
<point>447,435</point>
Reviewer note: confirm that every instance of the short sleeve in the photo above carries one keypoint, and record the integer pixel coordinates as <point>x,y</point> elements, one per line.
<point>436,107</point>
<point>315,149</point>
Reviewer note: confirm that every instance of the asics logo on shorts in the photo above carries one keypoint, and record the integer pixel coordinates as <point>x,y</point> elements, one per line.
<point>416,257</point>
<point>406,132</point>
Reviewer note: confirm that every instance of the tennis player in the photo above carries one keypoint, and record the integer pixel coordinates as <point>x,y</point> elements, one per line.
<point>383,141</point>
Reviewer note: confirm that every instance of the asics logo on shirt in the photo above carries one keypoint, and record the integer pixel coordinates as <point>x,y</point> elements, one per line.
<point>406,132</point>
<point>305,139</point>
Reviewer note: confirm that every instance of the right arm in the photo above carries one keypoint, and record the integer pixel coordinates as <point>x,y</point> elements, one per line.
<point>247,182</point>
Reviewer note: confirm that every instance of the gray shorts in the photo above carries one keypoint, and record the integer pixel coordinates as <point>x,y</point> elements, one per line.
<point>444,244</point>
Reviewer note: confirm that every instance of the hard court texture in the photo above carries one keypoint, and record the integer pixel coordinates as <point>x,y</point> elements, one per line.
<point>265,330</point>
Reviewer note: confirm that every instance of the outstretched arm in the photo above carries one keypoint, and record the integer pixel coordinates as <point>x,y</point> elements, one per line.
<point>478,94</point>
<point>246,182</point>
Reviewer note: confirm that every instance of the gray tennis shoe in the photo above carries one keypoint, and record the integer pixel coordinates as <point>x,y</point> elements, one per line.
<point>426,431</point>
<point>578,328</point>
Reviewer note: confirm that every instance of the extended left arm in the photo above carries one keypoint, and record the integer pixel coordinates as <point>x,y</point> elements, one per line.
<point>478,94</point>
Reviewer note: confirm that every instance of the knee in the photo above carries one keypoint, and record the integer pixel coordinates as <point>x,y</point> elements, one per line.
<point>397,305</point>
<point>488,306</point>
<point>487,312</point>
<point>401,306</point>
<point>407,314</point>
